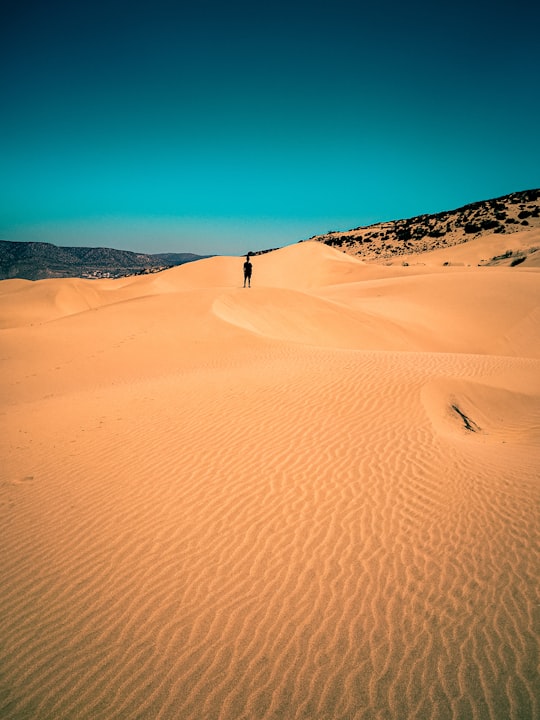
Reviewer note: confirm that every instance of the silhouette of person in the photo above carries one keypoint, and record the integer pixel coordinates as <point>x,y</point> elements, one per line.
<point>248,268</point>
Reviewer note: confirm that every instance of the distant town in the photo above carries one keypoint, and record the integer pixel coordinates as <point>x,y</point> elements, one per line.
<point>113,275</point>
<point>38,261</point>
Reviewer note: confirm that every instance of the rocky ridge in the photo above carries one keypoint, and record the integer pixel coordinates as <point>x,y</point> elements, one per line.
<point>381,241</point>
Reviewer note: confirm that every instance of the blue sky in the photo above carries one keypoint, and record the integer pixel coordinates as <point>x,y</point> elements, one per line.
<point>216,127</point>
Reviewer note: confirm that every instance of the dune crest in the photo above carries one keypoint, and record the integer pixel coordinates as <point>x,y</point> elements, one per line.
<point>315,498</point>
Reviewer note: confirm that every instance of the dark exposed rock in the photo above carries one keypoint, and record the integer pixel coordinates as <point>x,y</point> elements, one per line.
<point>517,261</point>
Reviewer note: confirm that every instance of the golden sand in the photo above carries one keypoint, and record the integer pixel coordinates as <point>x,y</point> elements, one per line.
<point>315,498</point>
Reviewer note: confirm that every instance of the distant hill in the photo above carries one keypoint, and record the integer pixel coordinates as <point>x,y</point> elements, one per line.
<point>507,214</point>
<point>36,260</point>
<point>381,241</point>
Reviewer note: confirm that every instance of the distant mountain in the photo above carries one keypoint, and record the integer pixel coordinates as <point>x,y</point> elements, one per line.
<point>36,260</point>
<point>381,241</point>
<point>507,214</point>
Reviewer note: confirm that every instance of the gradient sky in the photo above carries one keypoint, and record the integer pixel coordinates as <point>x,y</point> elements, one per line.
<point>222,127</point>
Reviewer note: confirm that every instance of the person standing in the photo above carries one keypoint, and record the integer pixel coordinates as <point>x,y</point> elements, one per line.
<point>248,269</point>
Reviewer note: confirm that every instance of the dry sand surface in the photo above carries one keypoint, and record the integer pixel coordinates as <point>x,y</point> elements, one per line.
<point>315,498</point>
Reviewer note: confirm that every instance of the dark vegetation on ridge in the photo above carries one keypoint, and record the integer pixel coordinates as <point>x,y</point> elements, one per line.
<point>506,214</point>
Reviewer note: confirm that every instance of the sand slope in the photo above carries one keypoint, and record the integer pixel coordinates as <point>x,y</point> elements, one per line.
<point>317,498</point>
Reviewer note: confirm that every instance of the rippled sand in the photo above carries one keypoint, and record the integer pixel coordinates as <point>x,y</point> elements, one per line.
<point>317,498</point>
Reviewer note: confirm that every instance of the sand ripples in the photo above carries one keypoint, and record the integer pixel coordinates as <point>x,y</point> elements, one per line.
<point>314,567</point>
<point>220,504</point>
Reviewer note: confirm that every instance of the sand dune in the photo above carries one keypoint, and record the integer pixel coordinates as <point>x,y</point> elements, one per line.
<point>315,498</point>
<point>488,249</point>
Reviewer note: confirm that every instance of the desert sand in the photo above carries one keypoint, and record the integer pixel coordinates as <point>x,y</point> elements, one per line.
<point>315,498</point>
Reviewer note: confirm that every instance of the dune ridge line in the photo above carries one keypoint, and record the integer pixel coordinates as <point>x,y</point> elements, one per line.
<point>315,498</point>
